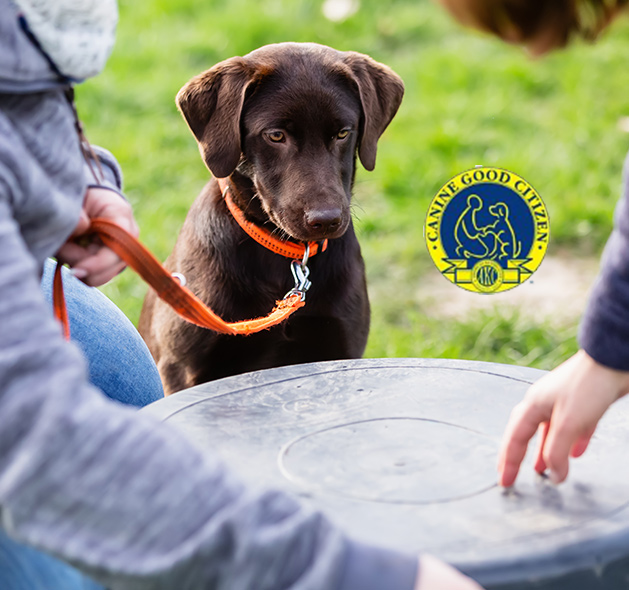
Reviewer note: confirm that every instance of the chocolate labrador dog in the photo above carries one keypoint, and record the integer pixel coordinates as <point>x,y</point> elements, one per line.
<point>284,124</point>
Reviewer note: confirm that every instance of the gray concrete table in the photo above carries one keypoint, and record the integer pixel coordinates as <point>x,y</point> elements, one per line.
<point>402,453</point>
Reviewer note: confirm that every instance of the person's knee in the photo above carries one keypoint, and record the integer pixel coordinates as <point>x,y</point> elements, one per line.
<point>119,362</point>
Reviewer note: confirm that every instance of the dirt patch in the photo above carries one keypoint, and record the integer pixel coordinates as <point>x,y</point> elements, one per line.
<point>557,292</point>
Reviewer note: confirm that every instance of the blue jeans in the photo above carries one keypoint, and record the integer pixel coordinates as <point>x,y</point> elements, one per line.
<point>122,367</point>
<point>119,362</point>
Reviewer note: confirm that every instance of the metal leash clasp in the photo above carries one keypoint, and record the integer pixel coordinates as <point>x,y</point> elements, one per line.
<point>300,272</point>
<point>181,278</point>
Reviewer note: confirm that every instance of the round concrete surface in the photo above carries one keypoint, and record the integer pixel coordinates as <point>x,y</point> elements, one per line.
<point>402,453</point>
<point>380,461</point>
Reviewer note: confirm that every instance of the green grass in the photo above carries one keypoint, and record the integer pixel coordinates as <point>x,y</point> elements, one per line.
<point>469,100</point>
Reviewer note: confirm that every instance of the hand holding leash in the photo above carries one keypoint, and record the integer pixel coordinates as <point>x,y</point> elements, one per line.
<point>170,288</point>
<point>91,260</point>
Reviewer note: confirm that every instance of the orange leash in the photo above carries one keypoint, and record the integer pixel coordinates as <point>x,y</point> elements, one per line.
<point>59,302</point>
<point>181,299</point>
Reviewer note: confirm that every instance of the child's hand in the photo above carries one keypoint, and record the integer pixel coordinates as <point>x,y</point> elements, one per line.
<point>565,406</point>
<point>437,575</point>
<point>92,261</point>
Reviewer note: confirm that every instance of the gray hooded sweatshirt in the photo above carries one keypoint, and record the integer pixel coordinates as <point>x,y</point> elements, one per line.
<point>127,499</point>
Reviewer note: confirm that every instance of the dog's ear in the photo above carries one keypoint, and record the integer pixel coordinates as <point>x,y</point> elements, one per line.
<point>212,104</point>
<point>381,91</point>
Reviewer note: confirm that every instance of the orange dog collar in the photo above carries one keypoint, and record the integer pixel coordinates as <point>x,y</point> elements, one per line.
<point>286,248</point>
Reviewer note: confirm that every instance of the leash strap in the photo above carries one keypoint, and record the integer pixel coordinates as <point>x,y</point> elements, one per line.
<point>263,236</point>
<point>168,288</point>
<point>59,302</point>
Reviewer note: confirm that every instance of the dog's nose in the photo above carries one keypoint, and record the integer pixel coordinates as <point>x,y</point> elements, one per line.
<point>325,221</point>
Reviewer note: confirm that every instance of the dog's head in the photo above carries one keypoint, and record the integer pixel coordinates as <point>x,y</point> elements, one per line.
<point>292,117</point>
<point>499,210</point>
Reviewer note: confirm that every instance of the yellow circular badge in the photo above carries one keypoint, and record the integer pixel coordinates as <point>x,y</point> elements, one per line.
<point>487,230</point>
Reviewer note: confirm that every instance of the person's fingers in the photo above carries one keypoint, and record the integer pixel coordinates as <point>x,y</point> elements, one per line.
<point>94,264</point>
<point>523,423</point>
<point>134,230</point>
<point>100,267</point>
<point>542,433</point>
<point>72,253</point>
<point>82,225</point>
<point>562,436</point>
<point>98,279</point>
<point>104,203</point>
<point>582,444</point>
<point>89,258</point>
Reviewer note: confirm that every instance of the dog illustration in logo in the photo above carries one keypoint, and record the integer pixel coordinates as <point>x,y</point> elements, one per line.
<point>494,241</point>
<point>510,246</point>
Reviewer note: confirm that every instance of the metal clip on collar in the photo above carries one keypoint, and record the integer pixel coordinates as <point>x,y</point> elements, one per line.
<point>300,274</point>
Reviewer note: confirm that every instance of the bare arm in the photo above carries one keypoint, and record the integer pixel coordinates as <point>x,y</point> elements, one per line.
<point>437,575</point>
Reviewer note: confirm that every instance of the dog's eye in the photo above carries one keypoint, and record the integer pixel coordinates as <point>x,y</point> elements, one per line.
<point>276,136</point>
<point>342,134</point>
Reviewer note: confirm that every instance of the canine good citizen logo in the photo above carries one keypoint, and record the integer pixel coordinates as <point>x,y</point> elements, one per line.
<point>487,230</point>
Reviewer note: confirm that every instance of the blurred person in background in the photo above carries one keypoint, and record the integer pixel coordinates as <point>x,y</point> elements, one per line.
<point>566,405</point>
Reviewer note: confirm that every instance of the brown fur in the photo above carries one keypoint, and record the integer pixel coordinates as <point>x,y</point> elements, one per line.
<point>547,24</point>
<point>299,188</point>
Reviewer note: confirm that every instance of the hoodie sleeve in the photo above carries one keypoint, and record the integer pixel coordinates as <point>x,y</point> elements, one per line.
<point>104,172</point>
<point>604,330</point>
<point>129,500</point>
